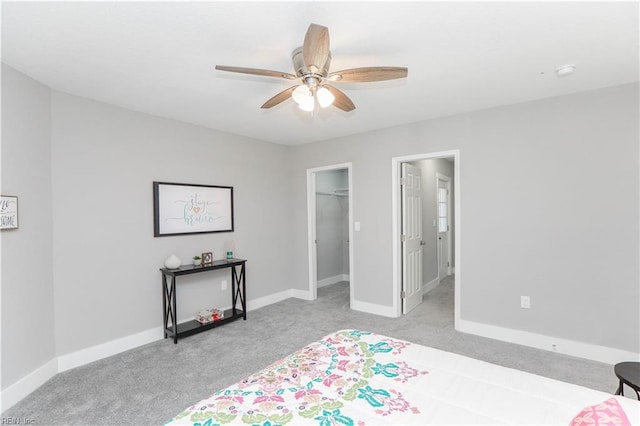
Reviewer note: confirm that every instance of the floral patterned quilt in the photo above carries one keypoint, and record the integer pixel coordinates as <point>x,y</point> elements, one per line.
<point>356,377</point>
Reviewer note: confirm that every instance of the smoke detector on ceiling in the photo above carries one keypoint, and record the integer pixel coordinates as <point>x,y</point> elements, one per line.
<point>565,70</point>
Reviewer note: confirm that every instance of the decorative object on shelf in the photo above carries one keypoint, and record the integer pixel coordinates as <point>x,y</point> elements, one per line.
<point>197,260</point>
<point>8,212</point>
<point>172,262</point>
<point>207,259</point>
<point>229,248</point>
<point>181,208</point>
<point>208,315</point>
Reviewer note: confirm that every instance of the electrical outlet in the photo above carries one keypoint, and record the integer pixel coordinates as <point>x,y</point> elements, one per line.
<point>224,284</point>
<point>525,302</point>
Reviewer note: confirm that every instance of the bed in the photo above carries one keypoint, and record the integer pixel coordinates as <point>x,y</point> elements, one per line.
<point>354,377</point>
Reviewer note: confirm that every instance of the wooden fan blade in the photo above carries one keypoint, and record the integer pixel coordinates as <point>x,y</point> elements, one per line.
<point>280,97</point>
<point>341,101</point>
<point>315,49</point>
<point>368,74</point>
<point>256,71</point>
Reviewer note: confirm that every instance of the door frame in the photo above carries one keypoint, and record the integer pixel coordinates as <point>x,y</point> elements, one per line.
<point>445,178</point>
<point>311,228</point>
<point>396,226</point>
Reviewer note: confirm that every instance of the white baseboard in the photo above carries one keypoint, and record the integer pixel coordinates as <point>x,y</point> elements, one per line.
<point>270,299</point>
<point>346,277</point>
<point>549,343</point>
<point>32,381</point>
<point>426,288</point>
<point>372,308</point>
<point>332,280</point>
<point>301,294</point>
<point>103,350</point>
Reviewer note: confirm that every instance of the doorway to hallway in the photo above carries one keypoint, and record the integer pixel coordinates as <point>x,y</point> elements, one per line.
<point>425,226</point>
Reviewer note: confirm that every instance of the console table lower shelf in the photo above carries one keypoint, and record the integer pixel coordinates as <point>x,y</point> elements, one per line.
<point>188,328</point>
<point>169,298</point>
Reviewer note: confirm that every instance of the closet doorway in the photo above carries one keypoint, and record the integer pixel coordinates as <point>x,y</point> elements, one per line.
<point>330,232</point>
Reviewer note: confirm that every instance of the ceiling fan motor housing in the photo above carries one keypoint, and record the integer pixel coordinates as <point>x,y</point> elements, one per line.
<point>303,71</point>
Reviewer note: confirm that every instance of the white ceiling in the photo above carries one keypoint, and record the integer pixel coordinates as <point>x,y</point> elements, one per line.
<point>159,57</point>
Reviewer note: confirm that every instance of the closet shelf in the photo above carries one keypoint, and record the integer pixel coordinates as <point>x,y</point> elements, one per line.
<point>338,192</point>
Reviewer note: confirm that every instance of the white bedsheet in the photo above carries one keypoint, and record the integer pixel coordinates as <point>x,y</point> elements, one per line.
<point>356,378</point>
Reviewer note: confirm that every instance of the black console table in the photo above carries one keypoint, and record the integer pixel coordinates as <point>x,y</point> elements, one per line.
<point>169,310</point>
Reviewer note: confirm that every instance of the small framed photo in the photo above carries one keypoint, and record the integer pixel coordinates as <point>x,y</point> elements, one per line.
<point>207,259</point>
<point>8,212</point>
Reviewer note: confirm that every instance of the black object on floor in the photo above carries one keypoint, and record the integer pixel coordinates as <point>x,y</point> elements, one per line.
<point>629,374</point>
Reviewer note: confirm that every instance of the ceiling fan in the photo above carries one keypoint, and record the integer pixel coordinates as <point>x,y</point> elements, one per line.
<point>311,64</point>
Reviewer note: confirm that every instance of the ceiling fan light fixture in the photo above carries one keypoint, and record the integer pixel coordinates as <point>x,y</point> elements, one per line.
<point>301,94</point>
<point>308,105</point>
<point>325,97</point>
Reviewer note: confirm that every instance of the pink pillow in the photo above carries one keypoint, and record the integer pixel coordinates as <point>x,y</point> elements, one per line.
<point>608,412</point>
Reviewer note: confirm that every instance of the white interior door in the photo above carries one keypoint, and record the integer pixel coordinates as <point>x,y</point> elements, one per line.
<point>412,242</point>
<point>444,262</point>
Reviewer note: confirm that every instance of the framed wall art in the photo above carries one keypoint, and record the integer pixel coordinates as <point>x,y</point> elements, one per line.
<point>181,208</point>
<point>8,212</point>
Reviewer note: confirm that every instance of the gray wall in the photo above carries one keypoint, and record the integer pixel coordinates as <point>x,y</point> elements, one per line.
<point>27,280</point>
<point>536,219</point>
<point>331,224</point>
<point>106,259</point>
<point>536,216</point>
<point>429,168</point>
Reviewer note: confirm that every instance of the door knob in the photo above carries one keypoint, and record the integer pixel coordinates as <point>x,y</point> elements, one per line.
<point>439,238</point>
<point>422,243</point>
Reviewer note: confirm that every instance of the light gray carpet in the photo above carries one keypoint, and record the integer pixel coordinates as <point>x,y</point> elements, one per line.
<point>150,384</point>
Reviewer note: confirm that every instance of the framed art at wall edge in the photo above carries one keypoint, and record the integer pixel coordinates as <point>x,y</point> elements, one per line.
<point>8,212</point>
<point>181,208</point>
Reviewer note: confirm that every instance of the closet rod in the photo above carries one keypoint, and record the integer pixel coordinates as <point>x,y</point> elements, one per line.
<point>331,193</point>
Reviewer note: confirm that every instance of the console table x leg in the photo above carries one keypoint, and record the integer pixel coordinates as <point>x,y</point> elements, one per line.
<point>239,287</point>
<point>169,307</point>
